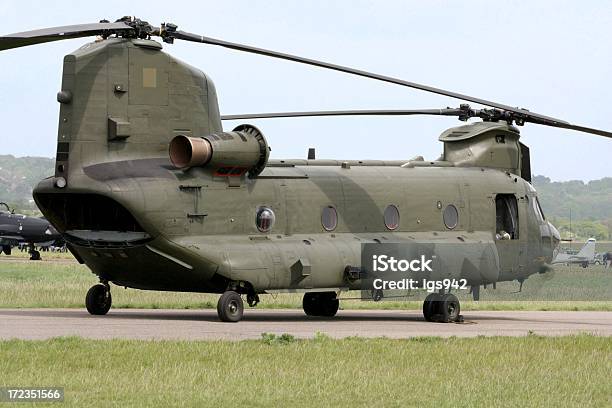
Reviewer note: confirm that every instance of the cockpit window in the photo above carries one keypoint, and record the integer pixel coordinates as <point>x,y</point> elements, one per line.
<point>537,208</point>
<point>506,217</point>
<point>539,211</point>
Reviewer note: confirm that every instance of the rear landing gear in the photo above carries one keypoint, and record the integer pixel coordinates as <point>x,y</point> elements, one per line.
<point>230,307</point>
<point>98,300</point>
<point>442,308</point>
<point>322,304</point>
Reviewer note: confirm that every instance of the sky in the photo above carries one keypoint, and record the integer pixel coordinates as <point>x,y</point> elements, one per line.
<point>551,57</point>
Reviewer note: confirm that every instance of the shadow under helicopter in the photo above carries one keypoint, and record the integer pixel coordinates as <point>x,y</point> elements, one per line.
<point>210,315</point>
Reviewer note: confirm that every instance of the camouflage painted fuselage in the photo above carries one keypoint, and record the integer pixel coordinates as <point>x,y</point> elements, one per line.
<point>137,221</point>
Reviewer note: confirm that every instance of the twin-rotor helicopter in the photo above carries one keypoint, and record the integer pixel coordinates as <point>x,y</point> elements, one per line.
<point>150,192</point>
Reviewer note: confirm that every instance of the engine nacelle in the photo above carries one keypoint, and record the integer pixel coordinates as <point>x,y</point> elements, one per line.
<point>487,144</point>
<point>228,154</point>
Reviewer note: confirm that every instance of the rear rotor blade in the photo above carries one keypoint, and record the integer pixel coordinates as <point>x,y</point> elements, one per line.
<point>44,35</point>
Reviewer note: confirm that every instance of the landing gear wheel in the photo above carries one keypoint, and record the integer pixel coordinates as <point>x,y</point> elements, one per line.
<point>6,249</point>
<point>310,303</point>
<point>230,307</point>
<point>34,255</point>
<point>431,306</point>
<point>322,304</point>
<point>449,308</point>
<point>98,300</point>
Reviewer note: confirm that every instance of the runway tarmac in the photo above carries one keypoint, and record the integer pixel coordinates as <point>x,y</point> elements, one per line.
<point>204,324</point>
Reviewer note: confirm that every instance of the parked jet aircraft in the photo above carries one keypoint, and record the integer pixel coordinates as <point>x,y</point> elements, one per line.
<point>585,256</point>
<point>18,228</point>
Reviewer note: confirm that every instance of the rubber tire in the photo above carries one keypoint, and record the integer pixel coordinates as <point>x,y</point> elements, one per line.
<point>431,306</point>
<point>320,304</point>
<point>6,249</point>
<point>450,308</point>
<point>329,304</point>
<point>35,256</point>
<point>230,307</point>
<point>98,300</point>
<point>310,304</point>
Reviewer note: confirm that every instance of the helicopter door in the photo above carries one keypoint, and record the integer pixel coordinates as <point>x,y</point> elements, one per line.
<point>507,234</point>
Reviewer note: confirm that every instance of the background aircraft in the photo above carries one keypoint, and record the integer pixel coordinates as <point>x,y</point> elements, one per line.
<point>17,228</point>
<point>585,256</point>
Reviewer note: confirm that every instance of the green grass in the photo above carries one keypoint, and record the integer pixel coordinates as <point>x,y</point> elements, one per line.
<point>16,253</point>
<point>571,371</point>
<point>63,285</point>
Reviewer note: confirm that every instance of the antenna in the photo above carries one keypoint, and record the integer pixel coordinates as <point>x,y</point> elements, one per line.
<point>571,236</point>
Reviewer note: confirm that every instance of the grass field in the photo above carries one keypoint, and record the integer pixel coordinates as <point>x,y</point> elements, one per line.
<point>569,371</point>
<point>60,283</point>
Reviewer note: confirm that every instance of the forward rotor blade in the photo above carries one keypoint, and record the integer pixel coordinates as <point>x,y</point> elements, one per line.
<point>462,113</point>
<point>241,47</point>
<point>26,38</point>
<point>399,112</point>
<point>578,128</point>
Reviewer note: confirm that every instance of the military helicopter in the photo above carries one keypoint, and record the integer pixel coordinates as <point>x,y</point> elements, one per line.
<point>17,228</point>
<point>151,193</point>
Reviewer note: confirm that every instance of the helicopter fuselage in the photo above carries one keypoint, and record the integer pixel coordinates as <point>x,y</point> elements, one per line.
<point>139,221</point>
<point>198,232</point>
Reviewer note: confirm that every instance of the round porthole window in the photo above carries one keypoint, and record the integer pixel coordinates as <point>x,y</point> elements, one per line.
<point>329,218</point>
<point>265,219</point>
<point>450,216</point>
<point>391,217</point>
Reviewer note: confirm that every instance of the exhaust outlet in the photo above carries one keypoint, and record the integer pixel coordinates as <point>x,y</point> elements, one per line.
<point>228,153</point>
<point>189,151</point>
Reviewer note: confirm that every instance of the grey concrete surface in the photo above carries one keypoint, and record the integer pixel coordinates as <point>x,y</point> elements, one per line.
<point>204,325</point>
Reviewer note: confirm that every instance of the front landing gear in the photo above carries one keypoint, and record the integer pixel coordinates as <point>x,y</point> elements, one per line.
<point>322,304</point>
<point>98,300</point>
<point>230,307</point>
<point>442,308</point>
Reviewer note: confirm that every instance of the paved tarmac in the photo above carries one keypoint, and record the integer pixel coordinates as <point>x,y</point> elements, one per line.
<point>204,324</point>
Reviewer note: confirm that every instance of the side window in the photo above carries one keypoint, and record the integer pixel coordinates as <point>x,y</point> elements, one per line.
<point>450,216</point>
<point>391,217</point>
<point>329,218</point>
<point>265,219</point>
<point>506,217</point>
